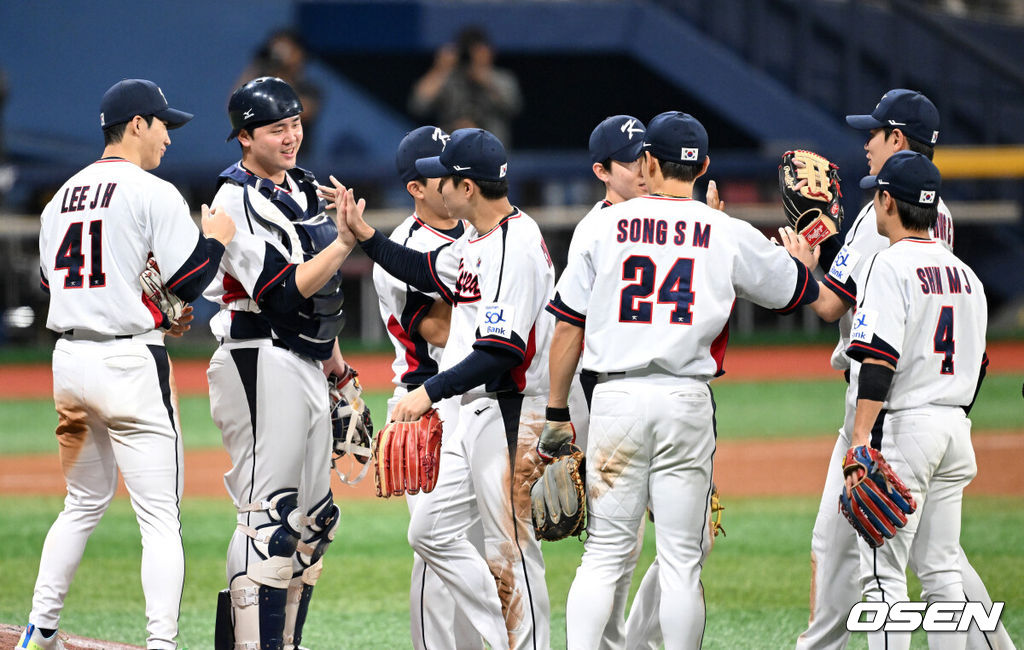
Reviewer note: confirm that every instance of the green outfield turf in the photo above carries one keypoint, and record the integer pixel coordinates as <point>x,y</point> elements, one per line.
<point>755,580</point>
<point>745,410</point>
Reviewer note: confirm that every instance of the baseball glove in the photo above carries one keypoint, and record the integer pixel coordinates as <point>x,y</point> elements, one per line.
<point>809,184</point>
<point>559,496</point>
<point>408,456</point>
<point>879,502</point>
<point>351,424</point>
<point>158,297</point>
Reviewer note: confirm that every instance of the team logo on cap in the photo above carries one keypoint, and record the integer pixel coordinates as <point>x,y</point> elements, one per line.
<point>247,115</point>
<point>629,128</point>
<point>502,170</point>
<point>935,137</point>
<point>689,153</point>
<point>103,121</point>
<point>161,94</point>
<point>927,196</point>
<point>440,136</point>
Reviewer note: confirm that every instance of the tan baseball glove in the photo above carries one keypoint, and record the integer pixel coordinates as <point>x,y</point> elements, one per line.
<point>559,496</point>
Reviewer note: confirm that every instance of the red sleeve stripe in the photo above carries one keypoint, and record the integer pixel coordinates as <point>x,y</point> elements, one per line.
<point>838,288</point>
<point>876,351</point>
<point>184,277</point>
<point>804,275</point>
<point>272,281</point>
<point>515,347</point>
<point>415,319</point>
<point>568,316</point>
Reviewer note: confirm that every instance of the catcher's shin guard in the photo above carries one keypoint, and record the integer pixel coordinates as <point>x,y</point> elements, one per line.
<point>320,524</point>
<point>224,629</point>
<point>258,595</point>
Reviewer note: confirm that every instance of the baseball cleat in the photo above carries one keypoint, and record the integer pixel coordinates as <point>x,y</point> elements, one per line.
<point>32,639</point>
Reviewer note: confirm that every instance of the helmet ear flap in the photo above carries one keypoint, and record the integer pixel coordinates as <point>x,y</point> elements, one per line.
<point>262,101</point>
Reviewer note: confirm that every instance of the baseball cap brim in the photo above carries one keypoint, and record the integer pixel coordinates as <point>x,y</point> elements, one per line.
<point>173,117</point>
<point>868,182</point>
<point>863,122</point>
<point>432,167</point>
<point>629,153</point>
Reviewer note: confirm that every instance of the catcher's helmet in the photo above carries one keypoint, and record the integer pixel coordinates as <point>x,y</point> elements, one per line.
<point>261,101</point>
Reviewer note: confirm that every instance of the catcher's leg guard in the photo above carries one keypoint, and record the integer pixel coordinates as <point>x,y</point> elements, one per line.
<point>320,525</point>
<point>258,596</point>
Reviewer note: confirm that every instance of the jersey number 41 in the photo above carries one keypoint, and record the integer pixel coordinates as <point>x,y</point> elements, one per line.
<point>71,257</point>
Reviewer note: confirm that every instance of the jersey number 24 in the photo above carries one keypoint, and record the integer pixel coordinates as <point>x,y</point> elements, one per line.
<point>71,257</point>
<point>674,289</point>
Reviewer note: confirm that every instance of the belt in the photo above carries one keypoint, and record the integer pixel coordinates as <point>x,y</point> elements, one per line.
<point>79,334</point>
<point>657,376</point>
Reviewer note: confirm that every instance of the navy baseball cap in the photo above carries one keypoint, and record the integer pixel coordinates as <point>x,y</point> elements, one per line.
<point>908,176</point>
<point>423,142</point>
<point>471,153</point>
<point>130,97</point>
<point>677,137</point>
<point>906,110</point>
<point>619,137</point>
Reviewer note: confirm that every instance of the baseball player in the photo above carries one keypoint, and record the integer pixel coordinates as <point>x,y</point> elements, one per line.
<point>918,344</point>
<point>615,147</point>
<point>903,120</point>
<point>417,324</point>
<point>280,300</point>
<point>495,360</point>
<point>654,284</point>
<point>112,384</point>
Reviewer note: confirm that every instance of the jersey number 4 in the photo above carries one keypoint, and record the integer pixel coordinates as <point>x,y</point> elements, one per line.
<point>674,289</point>
<point>70,256</point>
<point>944,343</point>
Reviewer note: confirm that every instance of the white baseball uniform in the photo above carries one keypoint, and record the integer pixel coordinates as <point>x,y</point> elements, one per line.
<point>923,310</point>
<point>834,556</point>
<point>655,284</point>
<point>580,393</point>
<point>269,397</point>
<point>434,621</point>
<point>503,280</point>
<point>112,383</point>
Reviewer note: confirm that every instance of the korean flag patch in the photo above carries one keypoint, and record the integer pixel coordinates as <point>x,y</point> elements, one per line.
<point>494,319</point>
<point>864,321</point>
<point>927,196</point>
<point>688,153</point>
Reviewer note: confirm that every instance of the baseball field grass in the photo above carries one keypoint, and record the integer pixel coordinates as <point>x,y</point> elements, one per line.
<point>755,580</point>
<point>746,410</point>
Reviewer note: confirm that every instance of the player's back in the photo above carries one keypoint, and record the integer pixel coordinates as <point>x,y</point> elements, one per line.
<point>95,236</point>
<point>666,274</point>
<point>944,322</point>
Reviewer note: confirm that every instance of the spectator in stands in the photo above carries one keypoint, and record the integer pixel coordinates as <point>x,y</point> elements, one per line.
<point>463,88</point>
<point>284,55</point>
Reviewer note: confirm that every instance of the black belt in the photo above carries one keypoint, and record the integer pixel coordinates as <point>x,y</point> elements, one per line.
<point>89,335</point>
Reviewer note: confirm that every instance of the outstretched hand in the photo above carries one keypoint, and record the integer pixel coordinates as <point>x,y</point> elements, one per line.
<point>712,199</point>
<point>348,212</point>
<point>217,224</point>
<point>798,247</point>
